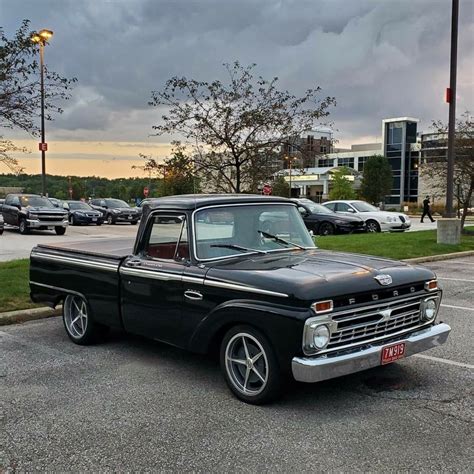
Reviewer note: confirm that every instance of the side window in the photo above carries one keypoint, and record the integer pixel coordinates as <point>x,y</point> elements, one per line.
<point>343,207</point>
<point>102,204</point>
<point>331,206</point>
<point>9,201</point>
<point>15,201</point>
<point>168,238</point>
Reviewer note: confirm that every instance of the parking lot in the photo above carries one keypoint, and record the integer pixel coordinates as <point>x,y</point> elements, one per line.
<point>132,404</point>
<point>13,245</point>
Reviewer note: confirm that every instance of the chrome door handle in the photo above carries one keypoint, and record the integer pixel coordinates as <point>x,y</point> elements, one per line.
<point>193,295</point>
<point>134,263</point>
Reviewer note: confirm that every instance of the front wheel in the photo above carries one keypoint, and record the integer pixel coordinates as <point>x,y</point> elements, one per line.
<point>372,226</point>
<point>326,228</point>
<point>79,326</point>
<point>249,365</point>
<point>110,219</point>
<point>23,227</point>
<point>60,230</point>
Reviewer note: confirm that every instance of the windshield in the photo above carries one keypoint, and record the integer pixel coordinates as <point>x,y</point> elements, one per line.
<point>116,203</point>
<point>79,205</point>
<point>35,201</point>
<point>226,231</point>
<point>362,206</point>
<point>317,208</point>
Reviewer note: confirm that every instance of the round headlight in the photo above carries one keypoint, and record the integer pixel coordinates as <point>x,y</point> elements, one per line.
<point>429,310</point>
<point>321,336</point>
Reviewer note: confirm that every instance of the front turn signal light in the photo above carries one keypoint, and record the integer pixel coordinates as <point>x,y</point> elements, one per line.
<point>322,306</point>
<point>431,285</point>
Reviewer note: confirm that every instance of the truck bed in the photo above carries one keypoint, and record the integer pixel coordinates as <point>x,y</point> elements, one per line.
<point>115,249</point>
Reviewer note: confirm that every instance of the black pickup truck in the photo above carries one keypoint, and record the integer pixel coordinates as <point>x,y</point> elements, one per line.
<point>31,211</point>
<point>205,275</point>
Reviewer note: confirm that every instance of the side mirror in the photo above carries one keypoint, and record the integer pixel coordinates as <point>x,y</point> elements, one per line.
<point>303,211</point>
<point>351,210</point>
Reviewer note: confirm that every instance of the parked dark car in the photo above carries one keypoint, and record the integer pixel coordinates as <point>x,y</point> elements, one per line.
<point>32,211</point>
<point>57,202</point>
<point>323,221</point>
<point>1,224</point>
<point>81,213</point>
<point>270,305</point>
<point>116,210</point>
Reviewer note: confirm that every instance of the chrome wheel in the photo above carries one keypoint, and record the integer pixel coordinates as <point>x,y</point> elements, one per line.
<point>110,219</point>
<point>372,226</point>
<point>75,316</point>
<point>246,364</point>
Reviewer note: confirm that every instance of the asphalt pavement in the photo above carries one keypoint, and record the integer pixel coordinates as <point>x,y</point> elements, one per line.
<point>14,246</point>
<point>135,405</point>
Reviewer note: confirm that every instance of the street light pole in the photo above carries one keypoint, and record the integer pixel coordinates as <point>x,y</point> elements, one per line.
<point>43,151</point>
<point>42,38</point>
<point>289,160</point>
<point>452,109</point>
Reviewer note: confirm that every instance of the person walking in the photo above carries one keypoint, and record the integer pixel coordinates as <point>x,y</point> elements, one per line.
<point>426,209</point>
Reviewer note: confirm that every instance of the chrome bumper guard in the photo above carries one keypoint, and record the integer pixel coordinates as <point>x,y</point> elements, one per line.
<point>316,369</point>
<point>33,223</point>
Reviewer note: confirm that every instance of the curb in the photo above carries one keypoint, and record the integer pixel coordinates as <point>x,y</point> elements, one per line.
<point>443,256</point>
<point>23,315</point>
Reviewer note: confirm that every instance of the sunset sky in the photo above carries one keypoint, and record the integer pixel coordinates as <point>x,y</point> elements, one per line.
<point>378,58</point>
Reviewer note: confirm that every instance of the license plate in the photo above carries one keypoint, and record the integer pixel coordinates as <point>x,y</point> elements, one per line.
<point>393,353</point>
<point>94,219</point>
<point>130,217</point>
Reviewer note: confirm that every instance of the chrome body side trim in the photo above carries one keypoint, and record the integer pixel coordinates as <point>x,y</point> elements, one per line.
<point>316,369</point>
<point>155,275</point>
<point>57,288</point>
<point>238,287</point>
<point>108,266</point>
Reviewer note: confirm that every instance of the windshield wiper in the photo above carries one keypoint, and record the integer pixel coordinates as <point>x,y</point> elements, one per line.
<point>279,239</point>
<point>238,247</point>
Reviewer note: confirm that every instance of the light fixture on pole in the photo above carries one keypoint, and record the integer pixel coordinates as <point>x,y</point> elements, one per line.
<point>42,38</point>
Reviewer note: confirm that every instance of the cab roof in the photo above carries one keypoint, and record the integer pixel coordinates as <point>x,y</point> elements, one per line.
<point>195,201</point>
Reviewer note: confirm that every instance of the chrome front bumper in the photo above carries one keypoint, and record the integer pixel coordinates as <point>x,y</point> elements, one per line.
<point>35,224</point>
<point>316,369</point>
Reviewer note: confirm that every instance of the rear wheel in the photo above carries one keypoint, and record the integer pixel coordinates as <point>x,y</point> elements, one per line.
<point>79,326</point>
<point>23,227</point>
<point>372,226</point>
<point>60,230</point>
<point>72,220</point>
<point>249,365</point>
<point>326,228</point>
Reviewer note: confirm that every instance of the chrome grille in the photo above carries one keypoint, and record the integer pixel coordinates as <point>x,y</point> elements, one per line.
<point>372,322</point>
<point>50,217</point>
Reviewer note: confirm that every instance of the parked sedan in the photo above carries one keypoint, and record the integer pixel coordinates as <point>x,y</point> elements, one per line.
<point>323,221</point>
<point>116,210</point>
<point>375,219</point>
<point>81,213</point>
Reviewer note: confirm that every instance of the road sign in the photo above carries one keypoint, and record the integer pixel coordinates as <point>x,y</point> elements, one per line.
<point>43,146</point>
<point>146,191</point>
<point>267,190</point>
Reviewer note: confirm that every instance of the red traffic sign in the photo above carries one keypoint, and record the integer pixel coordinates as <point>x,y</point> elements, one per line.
<point>146,191</point>
<point>267,189</point>
<point>43,146</point>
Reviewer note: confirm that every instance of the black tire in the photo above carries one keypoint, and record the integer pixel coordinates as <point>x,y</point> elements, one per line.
<point>83,331</point>
<point>99,223</point>
<point>23,227</point>
<point>255,381</point>
<point>110,219</point>
<point>60,230</point>
<point>1,231</point>
<point>134,222</point>
<point>72,221</point>
<point>372,226</point>
<point>326,228</point>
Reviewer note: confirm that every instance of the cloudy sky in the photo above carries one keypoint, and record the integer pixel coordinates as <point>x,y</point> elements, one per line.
<point>379,58</point>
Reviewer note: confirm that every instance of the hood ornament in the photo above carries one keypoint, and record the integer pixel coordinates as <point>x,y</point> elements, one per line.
<point>384,280</point>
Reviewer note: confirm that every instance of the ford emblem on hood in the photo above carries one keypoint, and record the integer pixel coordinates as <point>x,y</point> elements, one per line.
<point>384,280</point>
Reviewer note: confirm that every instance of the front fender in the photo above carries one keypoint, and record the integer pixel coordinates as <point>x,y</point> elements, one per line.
<point>282,325</point>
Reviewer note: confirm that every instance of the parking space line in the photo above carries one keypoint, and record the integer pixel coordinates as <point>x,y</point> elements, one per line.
<point>444,361</point>
<point>456,307</point>
<point>456,279</point>
<point>457,262</point>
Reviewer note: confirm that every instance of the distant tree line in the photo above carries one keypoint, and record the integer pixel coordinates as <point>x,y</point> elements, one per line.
<point>84,187</point>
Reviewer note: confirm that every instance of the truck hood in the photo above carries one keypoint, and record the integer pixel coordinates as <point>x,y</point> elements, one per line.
<point>314,274</point>
<point>46,210</point>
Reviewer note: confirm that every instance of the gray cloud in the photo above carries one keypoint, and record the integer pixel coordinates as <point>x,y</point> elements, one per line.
<point>379,58</point>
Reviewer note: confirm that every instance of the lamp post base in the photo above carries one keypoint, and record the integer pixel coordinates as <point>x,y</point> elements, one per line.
<point>449,231</point>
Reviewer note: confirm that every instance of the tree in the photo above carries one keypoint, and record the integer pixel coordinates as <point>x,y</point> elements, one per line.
<point>20,97</point>
<point>341,186</point>
<point>435,167</point>
<point>6,147</point>
<point>236,128</point>
<point>280,187</point>
<point>176,172</point>
<point>376,179</point>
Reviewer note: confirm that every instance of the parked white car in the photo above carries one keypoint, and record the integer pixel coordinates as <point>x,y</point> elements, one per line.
<point>375,219</point>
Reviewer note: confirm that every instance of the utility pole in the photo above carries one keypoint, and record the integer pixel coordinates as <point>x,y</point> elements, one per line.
<point>451,97</point>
